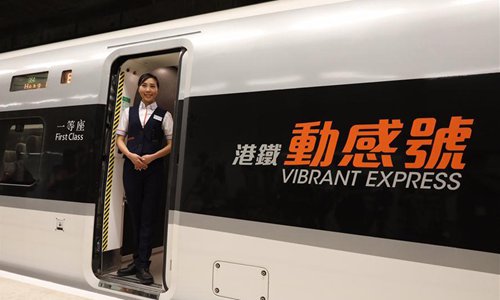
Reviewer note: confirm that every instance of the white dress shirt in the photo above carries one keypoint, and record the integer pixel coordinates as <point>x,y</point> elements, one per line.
<point>145,113</point>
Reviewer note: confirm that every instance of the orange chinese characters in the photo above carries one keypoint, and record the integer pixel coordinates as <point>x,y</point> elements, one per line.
<point>369,145</point>
<point>303,148</point>
<point>446,146</point>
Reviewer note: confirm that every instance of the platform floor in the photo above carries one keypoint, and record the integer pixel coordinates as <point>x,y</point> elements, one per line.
<point>17,287</point>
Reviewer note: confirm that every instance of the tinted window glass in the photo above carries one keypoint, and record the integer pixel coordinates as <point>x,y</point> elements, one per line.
<point>20,151</point>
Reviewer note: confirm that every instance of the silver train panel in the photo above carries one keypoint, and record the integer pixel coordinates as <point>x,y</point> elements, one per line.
<point>308,264</point>
<point>348,42</point>
<point>47,239</point>
<point>325,44</point>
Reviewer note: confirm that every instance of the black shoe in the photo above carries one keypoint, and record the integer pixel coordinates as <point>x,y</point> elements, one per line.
<point>128,270</point>
<point>144,276</point>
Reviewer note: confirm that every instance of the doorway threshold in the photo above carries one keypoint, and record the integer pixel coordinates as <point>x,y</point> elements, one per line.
<point>131,285</point>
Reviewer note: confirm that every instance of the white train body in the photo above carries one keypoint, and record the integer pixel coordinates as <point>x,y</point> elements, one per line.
<point>294,244</point>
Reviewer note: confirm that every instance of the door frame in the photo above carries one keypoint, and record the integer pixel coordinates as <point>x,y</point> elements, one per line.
<point>113,260</point>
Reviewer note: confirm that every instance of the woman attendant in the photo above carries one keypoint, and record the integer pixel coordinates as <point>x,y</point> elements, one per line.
<point>146,126</point>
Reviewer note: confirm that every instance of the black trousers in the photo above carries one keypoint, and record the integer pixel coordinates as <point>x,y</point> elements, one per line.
<point>143,192</point>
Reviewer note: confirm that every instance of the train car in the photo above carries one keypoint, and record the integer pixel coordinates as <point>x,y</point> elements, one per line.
<point>321,150</point>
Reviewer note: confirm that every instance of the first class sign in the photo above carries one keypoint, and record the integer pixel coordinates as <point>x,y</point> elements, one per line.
<point>72,130</point>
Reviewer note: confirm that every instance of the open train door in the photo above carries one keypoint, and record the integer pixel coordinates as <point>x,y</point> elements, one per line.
<point>113,242</point>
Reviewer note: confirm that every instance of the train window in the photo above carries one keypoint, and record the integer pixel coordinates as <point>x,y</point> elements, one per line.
<point>31,81</point>
<point>20,150</point>
<point>66,76</point>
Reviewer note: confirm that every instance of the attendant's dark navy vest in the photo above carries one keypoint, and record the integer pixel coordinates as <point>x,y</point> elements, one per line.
<point>145,140</point>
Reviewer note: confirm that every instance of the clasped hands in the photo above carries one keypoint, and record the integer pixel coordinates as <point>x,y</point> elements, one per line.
<point>141,162</point>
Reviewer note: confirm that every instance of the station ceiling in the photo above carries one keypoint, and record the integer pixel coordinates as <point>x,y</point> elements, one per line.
<point>30,23</point>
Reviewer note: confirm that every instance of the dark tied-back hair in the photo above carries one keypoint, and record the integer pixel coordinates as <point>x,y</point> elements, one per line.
<point>146,76</point>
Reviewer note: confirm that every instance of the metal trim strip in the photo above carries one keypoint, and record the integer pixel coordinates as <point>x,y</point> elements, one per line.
<point>395,249</point>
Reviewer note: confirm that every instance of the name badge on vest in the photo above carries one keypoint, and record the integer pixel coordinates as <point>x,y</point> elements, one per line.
<point>157,117</point>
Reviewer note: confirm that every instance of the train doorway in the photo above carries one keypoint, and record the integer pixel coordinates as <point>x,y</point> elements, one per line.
<point>114,234</point>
